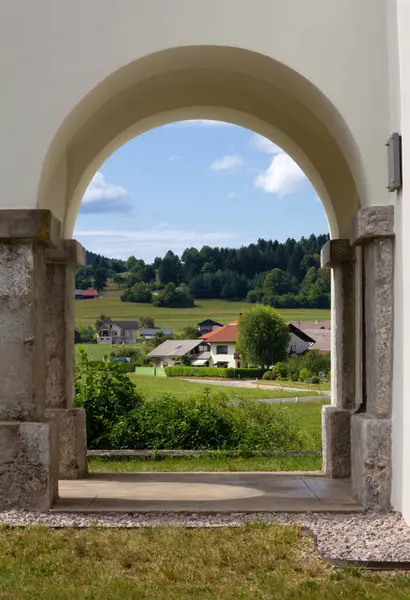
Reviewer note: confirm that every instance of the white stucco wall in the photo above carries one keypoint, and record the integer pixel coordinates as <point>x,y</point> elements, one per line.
<point>297,345</point>
<point>400,121</point>
<point>218,358</point>
<point>61,61</point>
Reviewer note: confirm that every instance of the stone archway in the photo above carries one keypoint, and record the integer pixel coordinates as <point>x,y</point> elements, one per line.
<point>37,258</point>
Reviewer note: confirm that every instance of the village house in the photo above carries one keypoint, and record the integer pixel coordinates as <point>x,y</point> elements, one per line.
<point>86,294</point>
<point>208,325</point>
<point>320,331</point>
<point>172,353</point>
<point>218,348</point>
<point>117,332</point>
<point>149,334</point>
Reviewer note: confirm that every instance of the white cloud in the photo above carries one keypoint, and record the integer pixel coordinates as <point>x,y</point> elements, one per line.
<point>174,157</point>
<point>202,123</point>
<point>262,144</point>
<point>100,189</point>
<point>232,161</point>
<point>148,243</point>
<point>282,177</point>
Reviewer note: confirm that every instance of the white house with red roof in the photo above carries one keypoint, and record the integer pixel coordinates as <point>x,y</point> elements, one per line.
<point>223,351</point>
<point>222,346</point>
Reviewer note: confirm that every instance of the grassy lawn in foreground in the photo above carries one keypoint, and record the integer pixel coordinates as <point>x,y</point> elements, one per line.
<point>154,386</point>
<point>255,561</point>
<point>205,463</point>
<point>223,311</point>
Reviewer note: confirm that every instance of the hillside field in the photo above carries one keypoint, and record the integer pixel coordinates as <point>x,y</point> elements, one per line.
<point>223,311</point>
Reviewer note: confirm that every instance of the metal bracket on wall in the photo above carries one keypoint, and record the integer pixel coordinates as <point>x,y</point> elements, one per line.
<point>394,162</point>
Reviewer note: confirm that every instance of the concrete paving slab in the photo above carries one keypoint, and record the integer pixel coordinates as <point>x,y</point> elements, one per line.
<point>205,493</point>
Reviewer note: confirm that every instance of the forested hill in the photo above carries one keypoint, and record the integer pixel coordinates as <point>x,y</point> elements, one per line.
<point>284,274</point>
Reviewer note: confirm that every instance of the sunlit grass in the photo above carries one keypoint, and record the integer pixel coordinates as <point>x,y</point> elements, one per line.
<point>205,463</point>
<point>167,563</point>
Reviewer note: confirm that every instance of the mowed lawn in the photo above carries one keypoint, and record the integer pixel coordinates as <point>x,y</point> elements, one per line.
<point>254,561</point>
<point>181,388</point>
<point>223,311</point>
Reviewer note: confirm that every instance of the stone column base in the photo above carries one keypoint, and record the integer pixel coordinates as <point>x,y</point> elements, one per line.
<point>371,461</point>
<point>72,441</point>
<point>336,441</point>
<point>28,465</point>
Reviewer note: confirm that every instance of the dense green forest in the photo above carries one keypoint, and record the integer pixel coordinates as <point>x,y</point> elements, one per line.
<point>285,275</point>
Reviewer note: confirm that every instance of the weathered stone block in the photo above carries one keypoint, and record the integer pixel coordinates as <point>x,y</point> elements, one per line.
<point>336,441</point>
<point>72,441</point>
<point>28,224</point>
<point>59,318</point>
<point>344,335</point>
<point>379,310</point>
<point>28,465</point>
<point>371,222</point>
<point>371,461</point>
<point>69,252</point>
<point>335,252</point>
<point>22,342</point>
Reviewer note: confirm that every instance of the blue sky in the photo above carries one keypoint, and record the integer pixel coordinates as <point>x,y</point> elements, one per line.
<point>194,183</point>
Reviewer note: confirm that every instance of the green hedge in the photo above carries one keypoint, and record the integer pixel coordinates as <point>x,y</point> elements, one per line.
<point>120,366</point>
<point>213,372</point>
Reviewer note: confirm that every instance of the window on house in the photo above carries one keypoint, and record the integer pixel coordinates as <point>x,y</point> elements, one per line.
<point>122,332</point>
<point>222,349</point>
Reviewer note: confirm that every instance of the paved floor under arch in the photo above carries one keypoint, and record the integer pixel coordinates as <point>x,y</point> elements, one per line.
<point>206,493</point>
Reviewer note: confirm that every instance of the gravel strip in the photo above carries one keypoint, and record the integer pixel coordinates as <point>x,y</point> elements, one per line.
<point>363,537</point>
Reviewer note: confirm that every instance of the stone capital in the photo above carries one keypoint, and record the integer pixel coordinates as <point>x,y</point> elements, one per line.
<point>372,222</point>
<point>335,252</point>
<point>69,252</point>
<point>22,225</point>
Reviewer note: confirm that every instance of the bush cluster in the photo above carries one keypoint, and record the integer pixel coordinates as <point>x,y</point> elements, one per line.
<point>228,373</point>
<point>118,417</point>
<point>312,365</point>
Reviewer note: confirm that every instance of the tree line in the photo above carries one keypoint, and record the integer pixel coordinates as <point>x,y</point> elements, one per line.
<point>284,275</point>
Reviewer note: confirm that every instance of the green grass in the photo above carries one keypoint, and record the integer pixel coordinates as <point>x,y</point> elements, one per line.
<point>296,384</point>
<point>154,386</point>
<point>205,463</point>
<point>87,311</point>
<point>94,351</point>
<point>255,561</point>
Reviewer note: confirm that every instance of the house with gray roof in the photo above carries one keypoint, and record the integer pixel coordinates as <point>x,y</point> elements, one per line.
<point>148,334</point>
<point>173,352</point>
<point>117,332</point>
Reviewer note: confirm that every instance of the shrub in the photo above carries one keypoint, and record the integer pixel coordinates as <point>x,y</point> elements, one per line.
<point>304,374</point>
<point>106,393</point>
<point>86,334</point>
<point>315,379</point>
<point>118,417</point>
<point>170,297</point>
<point>281,370</point>
<point>206,424</point>
<point>137,354</point>
<point>269,375</point>
<point>140,292</point>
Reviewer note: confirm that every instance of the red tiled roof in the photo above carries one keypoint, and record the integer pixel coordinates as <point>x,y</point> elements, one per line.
<point>227,334</point>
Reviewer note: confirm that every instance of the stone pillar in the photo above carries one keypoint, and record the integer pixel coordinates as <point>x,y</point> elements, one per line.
<point>338,255</point>
<point>373,229</point>
<point>60,361</point>
<point>28,443</point>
